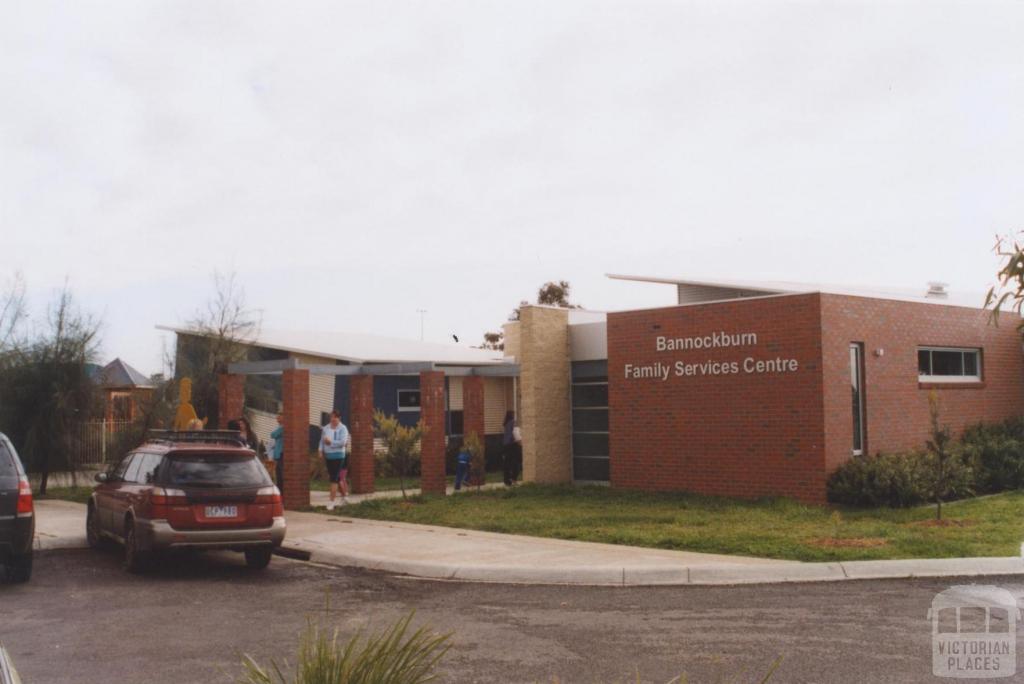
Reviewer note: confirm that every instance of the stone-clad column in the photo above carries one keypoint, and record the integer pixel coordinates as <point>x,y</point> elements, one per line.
<point>360,424</point>
<point>295,396</point>
<point>230,398</point>
<point>473,410</point>
<point>545,383</point>
<point>432,472</point>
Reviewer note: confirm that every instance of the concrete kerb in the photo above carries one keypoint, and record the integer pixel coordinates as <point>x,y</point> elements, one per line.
<point>61,524</point>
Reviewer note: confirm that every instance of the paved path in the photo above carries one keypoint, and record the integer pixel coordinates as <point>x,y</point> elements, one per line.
<point>60,525</point>
<point>449,553</point>
<point>319,499</point>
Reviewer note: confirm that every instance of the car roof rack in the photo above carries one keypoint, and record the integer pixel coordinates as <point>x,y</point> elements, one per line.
<point>233,437</point>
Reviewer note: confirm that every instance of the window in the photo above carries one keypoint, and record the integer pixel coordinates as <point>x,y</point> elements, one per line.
<point>456,418</point>
<point>408,400</point>
<point>8,469</point>
<point>215,471</point>
<point>119,472</point>
<point>147,468</point>
<point>857,387</point>
<point>132,474</point>
<point>944,364</point>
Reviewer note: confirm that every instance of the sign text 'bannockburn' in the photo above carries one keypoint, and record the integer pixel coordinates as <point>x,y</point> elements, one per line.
<point>718,340</point>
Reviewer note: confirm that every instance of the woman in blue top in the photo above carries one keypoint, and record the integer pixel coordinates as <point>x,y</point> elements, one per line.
<point>332,445</point>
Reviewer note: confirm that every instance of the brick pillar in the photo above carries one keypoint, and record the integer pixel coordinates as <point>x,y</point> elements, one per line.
<point>432,475</point>
<point>473,411</point>
<point>230,398</point>
<point>360,461</point>
<point>295,396</point>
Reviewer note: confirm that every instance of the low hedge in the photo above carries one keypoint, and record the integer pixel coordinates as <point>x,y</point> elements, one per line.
<point>988,458</point>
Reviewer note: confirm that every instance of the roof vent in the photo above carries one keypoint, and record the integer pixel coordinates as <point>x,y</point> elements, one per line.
<point>937,290</point>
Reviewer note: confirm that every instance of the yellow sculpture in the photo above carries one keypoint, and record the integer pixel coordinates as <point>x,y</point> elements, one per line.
<point>186,417</point>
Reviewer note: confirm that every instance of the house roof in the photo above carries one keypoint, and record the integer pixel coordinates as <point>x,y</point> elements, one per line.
<point>117,373</point>
<point>775,287</point>
<point>363,348</point>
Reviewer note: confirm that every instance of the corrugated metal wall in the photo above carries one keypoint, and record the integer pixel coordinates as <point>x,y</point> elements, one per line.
<point>263,424</point>
<point>494,403</point>
<point>321,389</point>
<point>455,394</point>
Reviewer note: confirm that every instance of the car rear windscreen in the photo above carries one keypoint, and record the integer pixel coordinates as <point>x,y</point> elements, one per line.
<point>220,471</point>
<point>8,465</point>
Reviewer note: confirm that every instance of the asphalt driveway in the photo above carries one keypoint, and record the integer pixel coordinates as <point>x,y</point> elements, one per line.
<point>82,619</point>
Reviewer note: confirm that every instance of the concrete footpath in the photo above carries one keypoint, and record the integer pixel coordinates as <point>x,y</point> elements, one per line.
<point>453,554</point>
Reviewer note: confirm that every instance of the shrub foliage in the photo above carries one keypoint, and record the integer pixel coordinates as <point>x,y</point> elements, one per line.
<point>987,458</point>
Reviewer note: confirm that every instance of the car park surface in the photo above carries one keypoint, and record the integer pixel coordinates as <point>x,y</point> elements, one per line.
<point>79,620</point>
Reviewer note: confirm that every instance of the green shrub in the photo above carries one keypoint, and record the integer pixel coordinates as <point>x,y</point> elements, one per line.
<point>389,657</point>
<point>997,453</point>
<point>895,480</point>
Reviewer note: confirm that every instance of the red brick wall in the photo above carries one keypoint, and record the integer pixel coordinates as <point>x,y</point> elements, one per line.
<point>361,426</point>
<point>231,398</point>
<point>896,406</point>
<point>295,396</point>
<point>736,434</point>
<point>432,404</point>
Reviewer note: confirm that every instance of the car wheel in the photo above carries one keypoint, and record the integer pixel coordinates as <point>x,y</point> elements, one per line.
<point>257,559</point>
<point>92,529</point>
<point>135,560</point>
<point>19,568</point>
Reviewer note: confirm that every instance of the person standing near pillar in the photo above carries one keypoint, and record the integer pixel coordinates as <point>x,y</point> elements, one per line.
<point>512,449</point>
<point>278,452</point>
<point>332,446</point>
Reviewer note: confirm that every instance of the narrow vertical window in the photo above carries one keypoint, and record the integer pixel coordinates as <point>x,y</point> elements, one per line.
<point>857,387</point>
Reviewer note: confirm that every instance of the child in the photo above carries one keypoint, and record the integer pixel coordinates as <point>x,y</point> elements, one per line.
<point>462,467</point>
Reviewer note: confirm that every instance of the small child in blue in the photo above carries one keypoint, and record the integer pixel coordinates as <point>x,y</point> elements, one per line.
<point>462,467</point>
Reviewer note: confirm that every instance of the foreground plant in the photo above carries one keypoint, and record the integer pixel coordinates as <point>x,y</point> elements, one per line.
<point>387,657</point>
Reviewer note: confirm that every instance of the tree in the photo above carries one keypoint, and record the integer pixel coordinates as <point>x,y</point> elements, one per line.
<point>551,293</point>
<point>12,313</point>
<point>948,475</point>
<point>1009,291</point>
<point>401,442</point>
<point>493,340</point>
<point>219,334</point>
<point>47,388</point>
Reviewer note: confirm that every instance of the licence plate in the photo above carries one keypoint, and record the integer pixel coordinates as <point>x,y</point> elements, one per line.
<point>222,511</point>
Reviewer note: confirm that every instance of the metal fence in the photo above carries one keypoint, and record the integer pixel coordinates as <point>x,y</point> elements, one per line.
<point>94,441</point>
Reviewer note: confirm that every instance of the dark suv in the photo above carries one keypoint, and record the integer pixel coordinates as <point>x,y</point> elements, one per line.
<point>17,517</point>
<point>188,490</point>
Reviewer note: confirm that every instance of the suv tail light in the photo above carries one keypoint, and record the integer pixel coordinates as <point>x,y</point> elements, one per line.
<point>162,499</point>
<point>271,495</point>
<point>25,508</point>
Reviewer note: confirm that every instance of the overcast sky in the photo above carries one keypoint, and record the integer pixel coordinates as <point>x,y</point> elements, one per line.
<point>355,162</point>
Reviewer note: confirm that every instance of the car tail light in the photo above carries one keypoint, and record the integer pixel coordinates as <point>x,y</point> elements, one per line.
<point>25,508</point>
<point>162,499</point>
<point>271,495</point>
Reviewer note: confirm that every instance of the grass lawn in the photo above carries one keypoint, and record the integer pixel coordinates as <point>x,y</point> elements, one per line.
<point>985,526</point>
<point>76,494</point>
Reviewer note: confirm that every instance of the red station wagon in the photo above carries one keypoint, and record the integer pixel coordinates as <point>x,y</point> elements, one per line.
<point>188,490</point>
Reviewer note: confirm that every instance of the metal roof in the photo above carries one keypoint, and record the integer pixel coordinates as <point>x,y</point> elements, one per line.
<point>117,373</point>
<point>973,300</point>
<point>363,348</point>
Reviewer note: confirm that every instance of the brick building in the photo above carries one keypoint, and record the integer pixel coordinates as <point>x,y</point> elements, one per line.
<point>753,389</point>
